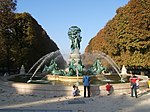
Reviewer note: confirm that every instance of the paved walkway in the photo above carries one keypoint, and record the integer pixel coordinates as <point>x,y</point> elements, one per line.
<point>31,110</point>
<point>12,102</point>
<point>119,103</point>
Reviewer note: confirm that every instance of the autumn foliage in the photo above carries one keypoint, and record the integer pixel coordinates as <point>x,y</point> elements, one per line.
<point>126,38</point>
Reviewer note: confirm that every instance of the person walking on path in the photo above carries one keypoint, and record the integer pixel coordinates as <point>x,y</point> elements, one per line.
<point>86,83</point>
<point>133,79</point>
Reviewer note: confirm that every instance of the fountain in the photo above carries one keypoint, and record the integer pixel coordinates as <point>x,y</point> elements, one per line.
<point>44,60</point>
<point>73,72</point>
<point>53,68</point>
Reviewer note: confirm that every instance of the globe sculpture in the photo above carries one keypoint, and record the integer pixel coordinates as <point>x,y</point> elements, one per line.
<point>74,36</point>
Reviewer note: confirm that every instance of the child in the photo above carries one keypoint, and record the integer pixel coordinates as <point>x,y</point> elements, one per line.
<point>108,88</point>
<point>75,91</point>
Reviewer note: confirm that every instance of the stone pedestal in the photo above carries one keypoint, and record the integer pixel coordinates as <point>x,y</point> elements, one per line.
<point>75,55</point>
<point>123,70</point>
<point>22,70</point>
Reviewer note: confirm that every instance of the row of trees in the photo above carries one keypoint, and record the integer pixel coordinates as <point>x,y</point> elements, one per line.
<point>22,39</point>
<point>7,20</point>
<point>126,38</point>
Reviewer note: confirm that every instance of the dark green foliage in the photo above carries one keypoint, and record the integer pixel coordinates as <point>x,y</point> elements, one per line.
<point>22,39</point>
<point>7,22</point>
<point>31,41</point>
<point>126,38</point>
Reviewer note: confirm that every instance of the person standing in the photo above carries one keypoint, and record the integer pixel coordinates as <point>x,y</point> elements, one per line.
<point>86,83</point>
<point>133,79</point>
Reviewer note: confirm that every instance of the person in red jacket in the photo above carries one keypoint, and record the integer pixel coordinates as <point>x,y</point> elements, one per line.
<point>108,88</point>
<point>133,80</point>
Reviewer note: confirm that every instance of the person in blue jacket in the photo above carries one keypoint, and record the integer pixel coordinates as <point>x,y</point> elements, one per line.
<point>86,84</point>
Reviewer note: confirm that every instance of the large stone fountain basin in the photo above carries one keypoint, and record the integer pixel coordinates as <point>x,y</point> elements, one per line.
<point>64,78</point>
<point>61,90</point>
<point>99,77</point>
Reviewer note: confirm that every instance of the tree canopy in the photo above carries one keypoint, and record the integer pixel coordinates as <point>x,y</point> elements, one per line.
<point>126,38</point>
<point>22,40</point>
<point>7,22</point>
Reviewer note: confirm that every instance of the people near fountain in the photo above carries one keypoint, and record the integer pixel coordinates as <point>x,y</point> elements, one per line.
<point>75,91</point>
<point>86,83</point>
<point>108,88</point>
<point>134,83</point>
<point>137,83</point>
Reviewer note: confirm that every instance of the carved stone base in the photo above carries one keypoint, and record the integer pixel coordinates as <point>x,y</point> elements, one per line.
<point>75,55</point>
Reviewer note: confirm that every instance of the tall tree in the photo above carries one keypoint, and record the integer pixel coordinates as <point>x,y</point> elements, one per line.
<point>7,17</point>
<point>31,41</point>
<point>126,38</point>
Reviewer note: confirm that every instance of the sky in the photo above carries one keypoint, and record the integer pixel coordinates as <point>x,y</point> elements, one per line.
<point>57,16</point>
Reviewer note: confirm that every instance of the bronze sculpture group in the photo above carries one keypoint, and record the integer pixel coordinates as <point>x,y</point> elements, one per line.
<point>73,67</point>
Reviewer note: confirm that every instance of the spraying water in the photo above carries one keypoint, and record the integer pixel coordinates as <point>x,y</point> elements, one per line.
<point>113,64</point>
<point>111,61</point>
<point>108,59</point>
<point>54,55</point>
<point>47,55</point>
